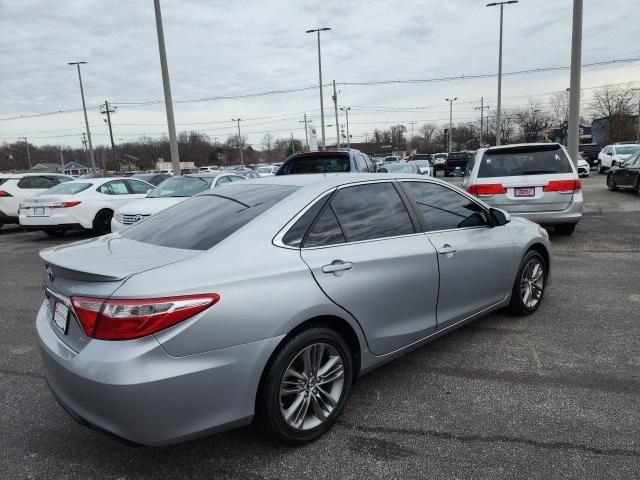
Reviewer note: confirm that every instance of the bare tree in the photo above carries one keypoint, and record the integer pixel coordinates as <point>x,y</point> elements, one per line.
<point>531,120</point>
<point>617,105</point>
<point>506,127</point>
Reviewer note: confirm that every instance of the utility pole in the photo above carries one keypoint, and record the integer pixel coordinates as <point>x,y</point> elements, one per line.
<point>481,108</point>
<point>306,132</point>
<point>86,120</point>
<point>239,140</point>
<point>171,124</point>
<point>346,111</point>
<point>573,128</point>
<point>450,100</point>
<point>105,110</point>
<point>499,107</point>
<point>61,161</point>
<point>366,137</point>
<point>335,107</point>
<point>318,30</point>
<point>84,142</point>
<point>412,124</point>
<point>293,145</point>
<point>26,144</point>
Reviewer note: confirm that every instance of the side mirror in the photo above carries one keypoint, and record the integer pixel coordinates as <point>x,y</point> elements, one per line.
<point>498,217</point>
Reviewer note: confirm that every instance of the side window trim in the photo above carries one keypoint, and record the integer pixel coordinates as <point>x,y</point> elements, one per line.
<point>414,207</point>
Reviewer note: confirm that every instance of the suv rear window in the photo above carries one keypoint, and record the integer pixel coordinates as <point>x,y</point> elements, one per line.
<point>458,156</point>
<point>202,221</point>
<point>526,160</point>
<point>316,163</point>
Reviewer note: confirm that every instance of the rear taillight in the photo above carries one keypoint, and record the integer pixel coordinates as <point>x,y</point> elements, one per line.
<point>5,194</point>
<point>65,204</point>
<point>128,319</point>
<point>485,190</point>
<point>563,186</point>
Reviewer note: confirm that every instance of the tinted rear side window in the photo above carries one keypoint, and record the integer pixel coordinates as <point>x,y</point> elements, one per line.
<point>515,161</point>
<point>295,235</point>
<point>202,221</point>
<point>371,211</point>
<point>326,231</point>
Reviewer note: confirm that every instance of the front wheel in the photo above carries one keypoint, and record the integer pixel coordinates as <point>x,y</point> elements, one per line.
<point>611,182</point>
<point>306,386</point>
<point>528,289</point>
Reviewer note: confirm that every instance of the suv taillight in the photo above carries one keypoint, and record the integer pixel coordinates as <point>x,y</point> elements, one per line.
<point>5,194</point>
<point>110,319</point>
<point>563,186</point>
<point>486,190</point>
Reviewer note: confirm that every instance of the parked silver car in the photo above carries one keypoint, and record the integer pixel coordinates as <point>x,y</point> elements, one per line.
<point>159,334</point>
<point>532,180</point>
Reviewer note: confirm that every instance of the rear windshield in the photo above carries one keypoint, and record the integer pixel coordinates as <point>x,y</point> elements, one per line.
<point>67,189</point>
<point>440,155</point>
<point>181,187</point>
<point>589,148</point>
<point>400,168</point>
<point>423,157</point>
<point>317,163</point>
<point>458,156</point>
<point>202,221</point>
<point>515,161</point>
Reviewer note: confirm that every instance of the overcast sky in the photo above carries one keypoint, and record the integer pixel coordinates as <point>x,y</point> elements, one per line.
<point>225,48</point>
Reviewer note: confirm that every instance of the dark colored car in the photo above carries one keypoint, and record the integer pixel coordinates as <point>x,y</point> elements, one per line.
<point>590,152</point>
<point>626,175</point>
<point>152,178</point>
<point>456,163</point>
<point>327,161</point>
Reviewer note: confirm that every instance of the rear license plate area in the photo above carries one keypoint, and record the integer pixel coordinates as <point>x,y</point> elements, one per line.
<point>61,316</point>
<point>38,211</point>
<point>524,191</point>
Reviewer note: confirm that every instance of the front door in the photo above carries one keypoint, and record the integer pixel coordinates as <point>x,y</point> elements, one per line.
<point>475,260</point>
<point>367,257</point>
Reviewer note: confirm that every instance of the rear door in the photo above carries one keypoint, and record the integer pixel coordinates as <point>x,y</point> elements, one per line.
<point>476,261</point>
<point>116,193</point>
<point>525,173</point>
<point>366,255</point>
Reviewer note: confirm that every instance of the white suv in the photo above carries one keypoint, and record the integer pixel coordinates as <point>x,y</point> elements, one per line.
<point>15,187</point>
<point>615,154</point>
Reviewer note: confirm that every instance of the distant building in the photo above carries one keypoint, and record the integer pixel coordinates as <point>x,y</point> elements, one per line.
<point>46,167</point>
<point>76,169</point>
<point>624,128</point>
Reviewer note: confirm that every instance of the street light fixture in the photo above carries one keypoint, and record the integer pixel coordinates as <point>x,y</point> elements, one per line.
<point>346,111</point>
<point>318,30</point>
<point>239,140</point>
<point>86,120</point>
<point>450,100</point>
<point>498,107</point>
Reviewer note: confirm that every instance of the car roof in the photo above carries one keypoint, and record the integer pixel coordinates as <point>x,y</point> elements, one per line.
<point>330,180</point>
<point>211,174</point>
<point>33,174</point>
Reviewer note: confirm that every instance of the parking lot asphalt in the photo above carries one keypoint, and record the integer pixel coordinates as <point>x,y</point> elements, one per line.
<point>553,395</point>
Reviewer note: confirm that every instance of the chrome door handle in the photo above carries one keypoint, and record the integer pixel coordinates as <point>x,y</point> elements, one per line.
<point>337,266</point>
<point>446,248</point>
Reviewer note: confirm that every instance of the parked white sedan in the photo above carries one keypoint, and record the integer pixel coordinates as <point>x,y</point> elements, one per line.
<point>170,192</point>
<point>80,204</point>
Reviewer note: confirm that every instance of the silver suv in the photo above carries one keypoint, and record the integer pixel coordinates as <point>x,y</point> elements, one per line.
<point>532,180</point>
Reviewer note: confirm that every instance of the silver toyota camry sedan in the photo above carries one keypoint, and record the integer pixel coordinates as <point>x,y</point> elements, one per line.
<point>260,300</point>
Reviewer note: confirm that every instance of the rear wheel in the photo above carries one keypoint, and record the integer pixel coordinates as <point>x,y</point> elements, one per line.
<point>599,167</point>
<point>306,386</point>
<point>565,228</point>
<point>102,222</point>
<point>611,182</point>
<point>528,289</point>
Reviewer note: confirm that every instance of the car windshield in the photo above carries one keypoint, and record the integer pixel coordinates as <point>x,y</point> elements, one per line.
<point>527,160</point>
<point>627,149</point>
<point>319,163</point>
<point>181,187</point>
<point>400,168</point>
<point>70,188</point>
<point>202,221</point>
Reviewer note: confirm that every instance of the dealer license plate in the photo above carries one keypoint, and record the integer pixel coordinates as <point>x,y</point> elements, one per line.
<point>524,191</point>
<point>61,316</point>
<point>38,211</point>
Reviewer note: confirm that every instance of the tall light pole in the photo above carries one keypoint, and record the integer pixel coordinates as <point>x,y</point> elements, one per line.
<point>86,120</point>
<point>412,124</point>
<point>499,106</point>
<point>26,144</point>
<point>335,107</point>
<point>573,128</point>
<point>168,103</point>
<point>481,108</point>
<point>346,111</point>
<point>318,30</point>
<point>239,140</point>
<point>306,130</point>
<point>450,100</point>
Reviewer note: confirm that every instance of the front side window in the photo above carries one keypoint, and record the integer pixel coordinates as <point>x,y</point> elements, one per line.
<point>371,211</point>
<point>441,208</point>
<point>202,221</point>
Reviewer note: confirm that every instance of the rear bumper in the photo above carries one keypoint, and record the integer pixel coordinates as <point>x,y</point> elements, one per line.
<point>4,218</point>
<point>572,214</point>
<point>136,391</point>
<point>58,221</point>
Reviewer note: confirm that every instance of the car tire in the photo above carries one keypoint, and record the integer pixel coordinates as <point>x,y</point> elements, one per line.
<point>276,407</point>
<point>599,167</point>
<point>565,228</point>
<point>528,288</point>
<point>55,233</point>
<point>611,182</point>
<point>102,222</point>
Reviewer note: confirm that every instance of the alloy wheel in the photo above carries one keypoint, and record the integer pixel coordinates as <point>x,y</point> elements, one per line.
<point>312,386</point>
<point>532,283</point>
